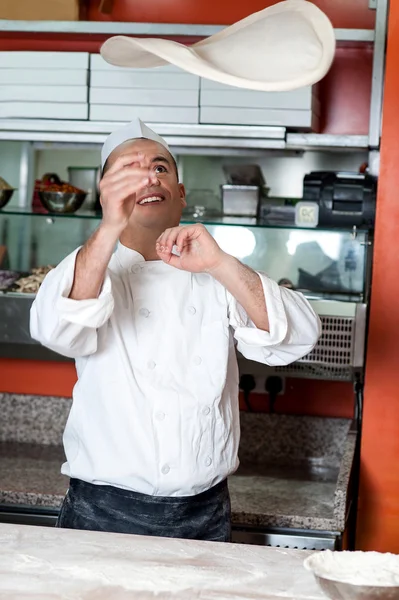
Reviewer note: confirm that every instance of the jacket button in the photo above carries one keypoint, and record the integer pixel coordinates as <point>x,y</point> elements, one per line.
<point>206,410</point>
<point>191,310</point>
<point>136,269</point>
<point>151,364</point>
<point>197,360</point>
<point>144,312</point>
<point>160,416</point>
<point>165,469</point>
<point>208,461</point>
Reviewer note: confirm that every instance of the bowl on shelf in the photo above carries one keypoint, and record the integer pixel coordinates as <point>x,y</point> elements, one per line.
<point>62,202</point>
<point>356,575</point>
<point>5,196</point>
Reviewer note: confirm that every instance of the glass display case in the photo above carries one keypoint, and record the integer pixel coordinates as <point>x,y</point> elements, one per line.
<point>319,262</point>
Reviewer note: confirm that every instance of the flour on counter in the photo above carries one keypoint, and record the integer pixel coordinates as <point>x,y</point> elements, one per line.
<point>43,563</point>
<point>357,568</point>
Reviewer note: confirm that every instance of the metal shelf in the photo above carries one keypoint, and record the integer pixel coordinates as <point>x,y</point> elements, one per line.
<point>179,136</point>
<point>148,29</point>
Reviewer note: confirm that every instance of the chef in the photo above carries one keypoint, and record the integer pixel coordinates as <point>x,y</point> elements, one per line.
<point>152,313</point>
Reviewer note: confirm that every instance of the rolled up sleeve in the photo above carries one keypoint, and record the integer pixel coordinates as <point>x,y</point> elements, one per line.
<point>68,326</point>
<point>294,327</point>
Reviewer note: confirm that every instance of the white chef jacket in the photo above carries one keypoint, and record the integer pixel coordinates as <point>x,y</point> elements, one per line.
<point>155,408</point>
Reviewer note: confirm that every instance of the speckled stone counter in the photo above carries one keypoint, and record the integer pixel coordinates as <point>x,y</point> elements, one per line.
<point>294,471</point>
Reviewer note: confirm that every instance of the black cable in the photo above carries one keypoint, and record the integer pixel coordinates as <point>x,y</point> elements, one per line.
<point>358,389</point>
<point>247,384</point>
<point>273,385</point>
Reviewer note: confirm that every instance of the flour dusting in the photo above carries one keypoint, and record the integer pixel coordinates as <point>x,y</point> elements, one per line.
<point>357,568</point>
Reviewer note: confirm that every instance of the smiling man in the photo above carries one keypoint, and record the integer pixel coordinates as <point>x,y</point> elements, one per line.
<point>153,431</point>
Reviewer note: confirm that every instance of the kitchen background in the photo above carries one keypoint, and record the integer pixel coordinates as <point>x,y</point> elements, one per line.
<point>345,96</point>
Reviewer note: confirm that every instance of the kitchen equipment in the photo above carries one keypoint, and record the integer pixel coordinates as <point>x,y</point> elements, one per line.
<point>344,199</point>
<point>354,566</point>
<point>85,178</point>
<point>242,193</point>
<point>244,175</point>
<point>5,196</point>
<point>240,200</point>
<point>6,191</point>
<point>62,202</point>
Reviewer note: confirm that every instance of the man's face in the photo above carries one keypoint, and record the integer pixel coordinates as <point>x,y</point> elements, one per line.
<point>161,202</point>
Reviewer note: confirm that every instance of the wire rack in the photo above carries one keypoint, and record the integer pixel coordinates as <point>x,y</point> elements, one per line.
<point>333,356</point>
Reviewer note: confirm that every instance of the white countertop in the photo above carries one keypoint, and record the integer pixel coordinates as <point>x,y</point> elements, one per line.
<point>40,563</point>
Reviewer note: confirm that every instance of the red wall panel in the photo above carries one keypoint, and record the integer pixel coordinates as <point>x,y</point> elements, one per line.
<point>352,14</point>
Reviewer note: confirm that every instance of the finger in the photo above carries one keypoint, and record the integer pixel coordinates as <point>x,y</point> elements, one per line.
<point>183,237</point>
<point>163,239</point>
<point>171,238</point>
<point>134,185</point>
<point>131,171</point>
<point>125,160</point>
<point>135,181</point>
<point>170,259</point>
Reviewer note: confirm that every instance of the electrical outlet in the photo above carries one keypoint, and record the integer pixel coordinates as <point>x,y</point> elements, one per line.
<point>260,385</point>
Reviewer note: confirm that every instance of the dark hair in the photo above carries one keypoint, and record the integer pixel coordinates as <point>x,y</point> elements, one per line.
<point>105,167</point>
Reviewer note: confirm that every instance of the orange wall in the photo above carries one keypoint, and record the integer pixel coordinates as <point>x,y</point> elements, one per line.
<point>45,378</point>
<point>378,521</point>
<point>301,396</point>
<point>308,397</point>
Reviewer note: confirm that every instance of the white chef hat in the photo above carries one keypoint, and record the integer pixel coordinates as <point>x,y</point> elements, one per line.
<point>134,130</point>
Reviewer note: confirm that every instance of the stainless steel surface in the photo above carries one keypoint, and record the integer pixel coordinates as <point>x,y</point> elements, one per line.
<point>28,515</point>
<point>360,336</point>
<point>153,29</point>
<point>240,200</point>
<point>164,129</point>
<point>300,540</point>
<point>5,197</point>
<point>112,28</point>
<point>377,86</point>
<point>354,35</point>
<point>181,136</point>
<point>85,178</point>
<point>337,590</point>
<point>62,202</point>
<point>26,174</point>
<point>317,141</point>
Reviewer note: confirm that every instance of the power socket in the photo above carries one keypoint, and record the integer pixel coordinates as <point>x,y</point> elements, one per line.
<point>260,385</point>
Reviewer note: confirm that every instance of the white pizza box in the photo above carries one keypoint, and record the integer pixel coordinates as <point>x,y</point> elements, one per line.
<point>43,110</point>
<point>44,60</point>
<point>167,77</point>
<point>38,77</point>
<point>301,99</point>
<point>150,114</point>
<point>45,93</point>
<point>142,97</point>
<point>97,63</point>
<point>153,80</point>
<point>303,119</point>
